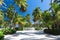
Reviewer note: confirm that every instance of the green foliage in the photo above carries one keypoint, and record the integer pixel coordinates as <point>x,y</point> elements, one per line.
<point>1,18</point>
<point>36,14</point>
<point>28,17</point>
<point>1,35</point>
<point>12,14</point>
<point>22,4</point>
<point>19,28</point>
<point>52,31</point>
<point>26,25</point>
<point>46,16</point>
<point>9,31</point>
<point>13,31</point>
<point>37,28</point>
<point>54,6</point>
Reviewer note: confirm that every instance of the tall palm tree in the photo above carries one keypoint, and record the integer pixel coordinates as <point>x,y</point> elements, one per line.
<point>36,14</point>
<point>58,18</point>
<point>47,18</point>
<point>54,8</point>
<point>11,14</point>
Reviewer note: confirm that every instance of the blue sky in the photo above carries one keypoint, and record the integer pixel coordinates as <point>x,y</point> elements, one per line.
<point>32,4</point>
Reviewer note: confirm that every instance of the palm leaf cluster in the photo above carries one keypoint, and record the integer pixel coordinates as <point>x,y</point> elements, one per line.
<point>50,18</point>
<point>22,4</point>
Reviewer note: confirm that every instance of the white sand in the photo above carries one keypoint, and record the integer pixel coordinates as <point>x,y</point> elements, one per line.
<point>31,35</point>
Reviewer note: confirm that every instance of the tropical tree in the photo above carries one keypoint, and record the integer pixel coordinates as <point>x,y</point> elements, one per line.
<point>22,4</point>
<point>20,20</point>
<point>54,12</point>
<point>47,19</point>
<point>28,19</point>
<point>55,8</point>
<point>58,18</point>
<point>11,14</point>
<point>37,14</point>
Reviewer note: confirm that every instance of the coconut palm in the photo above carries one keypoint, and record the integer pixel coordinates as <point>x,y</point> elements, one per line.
<point>54,9</point>
<point>22,4</point>
<point>37,14</point>
<point>28,19</point>
<point>58,18</point>
<point>47,18</point>
<point>11,15</point>
<point>20,20</point>
<point>11,12</point>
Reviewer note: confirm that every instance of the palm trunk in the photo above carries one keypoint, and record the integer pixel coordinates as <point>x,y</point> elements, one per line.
<point>12,24</point>
<point>53,15</point>
<point>51,2</point>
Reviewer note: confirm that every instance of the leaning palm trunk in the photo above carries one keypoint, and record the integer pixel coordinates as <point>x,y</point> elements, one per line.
<point>12,24</point>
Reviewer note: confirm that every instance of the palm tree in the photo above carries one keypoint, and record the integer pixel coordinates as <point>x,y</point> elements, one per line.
<point>11,15</point>
<point>11,12</point>
<point>47,18</point>
<point>58,18</point>
<point>37,14</point>
<point>20,20</point>
<point>28,19</point>
<point>54,9</point>
<point>22,4</point>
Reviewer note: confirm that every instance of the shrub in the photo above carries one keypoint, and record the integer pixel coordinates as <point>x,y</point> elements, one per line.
<point>16,29</point>
<point>52,31</point>
<point>13,31</point>
<point>37,28</point>
<point>9,31</point>
<point>1,35</point>
<point>6,30</point>
<point>19,28</point>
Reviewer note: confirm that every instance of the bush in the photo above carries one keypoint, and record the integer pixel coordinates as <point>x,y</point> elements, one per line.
<point>19,28</point>
<point>1,35</point>
<point>13,31</point>
<point>37,28</point>
<point>16,29</point>
<point>52,31</point>
<point>9,31</point>
<point>6,30</point>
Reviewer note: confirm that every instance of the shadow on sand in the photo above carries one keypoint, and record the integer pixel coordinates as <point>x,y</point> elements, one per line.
<point>35,33</point>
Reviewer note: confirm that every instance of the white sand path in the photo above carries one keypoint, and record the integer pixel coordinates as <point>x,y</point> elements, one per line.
<point>31,35</point>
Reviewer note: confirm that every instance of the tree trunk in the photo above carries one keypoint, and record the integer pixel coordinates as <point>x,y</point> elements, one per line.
<point>12,24</point>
